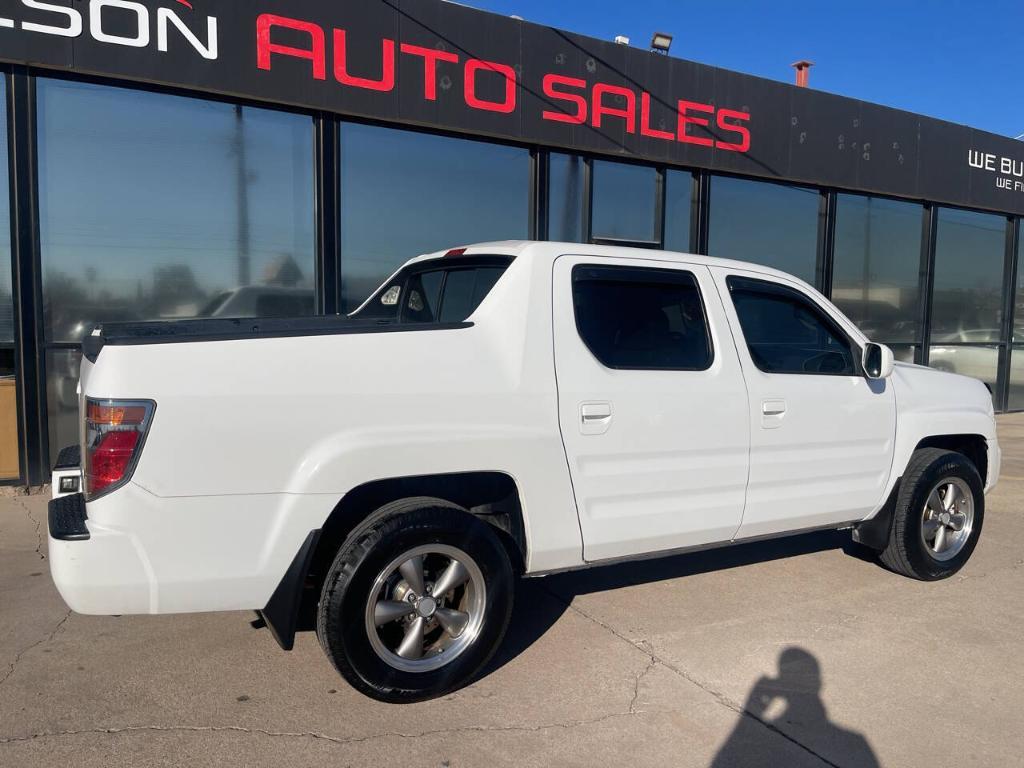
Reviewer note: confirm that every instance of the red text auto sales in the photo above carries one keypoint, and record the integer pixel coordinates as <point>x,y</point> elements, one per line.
<point>571,100</point>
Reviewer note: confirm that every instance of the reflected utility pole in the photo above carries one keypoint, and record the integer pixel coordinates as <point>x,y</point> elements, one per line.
<point>242,181</point>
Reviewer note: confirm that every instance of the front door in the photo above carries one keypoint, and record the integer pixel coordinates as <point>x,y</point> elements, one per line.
<point>821,433</point>
<point>652,404</point>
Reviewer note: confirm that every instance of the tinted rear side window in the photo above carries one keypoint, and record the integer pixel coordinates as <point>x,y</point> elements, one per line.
<point>421,298</point>
<point>786,332</point>
<point>464,289</point>
<point>641,318</point>
<point>441,291</point>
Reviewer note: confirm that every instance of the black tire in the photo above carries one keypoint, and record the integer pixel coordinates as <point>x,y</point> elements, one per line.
<point>907,552</point>
<point>388,533</point>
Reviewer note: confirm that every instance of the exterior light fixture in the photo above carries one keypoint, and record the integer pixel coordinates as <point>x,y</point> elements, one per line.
<point>661,42</point>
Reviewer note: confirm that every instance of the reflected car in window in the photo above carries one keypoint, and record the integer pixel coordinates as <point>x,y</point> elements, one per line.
<point>957,355</point>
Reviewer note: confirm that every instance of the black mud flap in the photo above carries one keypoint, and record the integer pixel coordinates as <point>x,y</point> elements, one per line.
<point>281,613</point>
<point>874,532</point>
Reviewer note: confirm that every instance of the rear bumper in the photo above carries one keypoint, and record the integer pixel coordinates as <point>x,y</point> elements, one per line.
<point>132,552</point>
<point>97,571</point>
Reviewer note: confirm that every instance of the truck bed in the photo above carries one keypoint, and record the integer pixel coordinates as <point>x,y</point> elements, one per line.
<point>228,329</point>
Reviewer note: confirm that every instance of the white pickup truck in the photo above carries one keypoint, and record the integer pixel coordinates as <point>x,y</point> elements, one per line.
<point>505,409</point>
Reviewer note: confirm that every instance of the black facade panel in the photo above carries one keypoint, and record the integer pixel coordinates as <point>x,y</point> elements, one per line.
<point>795,134</point>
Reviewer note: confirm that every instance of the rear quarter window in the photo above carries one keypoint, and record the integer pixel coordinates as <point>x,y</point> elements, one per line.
<point>446,290</point>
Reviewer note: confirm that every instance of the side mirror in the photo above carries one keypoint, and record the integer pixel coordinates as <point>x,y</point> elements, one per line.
<point>878,361</point>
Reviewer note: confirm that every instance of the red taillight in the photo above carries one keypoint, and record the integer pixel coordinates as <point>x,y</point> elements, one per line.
<point>456,252</point>
<point>114,431</point>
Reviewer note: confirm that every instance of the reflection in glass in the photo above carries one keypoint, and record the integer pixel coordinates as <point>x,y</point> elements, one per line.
<point>905,353</point>
<point>565,198</point>
<point>1018,312</point>
<point>1016,399</point>
<point>969,250</point>
<point>979,362</point>
<point>405,193</point>
<point>768,224</point>
<point>6,297</point>
<point>8,395</point>
<point>875,281</point>
<point>623,206</point>
<point>159,207</point>
<point>678,197</point>
<point>62,366</point>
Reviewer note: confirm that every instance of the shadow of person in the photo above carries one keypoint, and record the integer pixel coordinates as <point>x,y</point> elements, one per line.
<point>790,704</point>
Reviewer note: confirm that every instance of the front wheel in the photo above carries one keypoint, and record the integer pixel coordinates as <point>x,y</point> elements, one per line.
<point>416,602</point>
<point>938,517</point>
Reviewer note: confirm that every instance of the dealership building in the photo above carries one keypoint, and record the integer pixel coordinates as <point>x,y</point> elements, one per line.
<point>248,158</point>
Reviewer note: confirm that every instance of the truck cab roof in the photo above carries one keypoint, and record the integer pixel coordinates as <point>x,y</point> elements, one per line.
<point>551,250</point>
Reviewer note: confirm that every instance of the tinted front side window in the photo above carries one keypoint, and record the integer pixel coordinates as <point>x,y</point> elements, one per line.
<point>786,332</point>
<point>641,318</point>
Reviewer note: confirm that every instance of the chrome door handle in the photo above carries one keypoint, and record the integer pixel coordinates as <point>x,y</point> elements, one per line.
<point>595,418</point>
<point>595,411</point>
<point>773,411</point>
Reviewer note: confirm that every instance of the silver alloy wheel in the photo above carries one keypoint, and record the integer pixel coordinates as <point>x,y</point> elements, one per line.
<point>947,518</point>
<point>425,608</point>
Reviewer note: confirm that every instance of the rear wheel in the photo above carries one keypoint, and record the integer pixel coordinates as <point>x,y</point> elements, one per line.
<point>938,516</point>
<point>416,602</point>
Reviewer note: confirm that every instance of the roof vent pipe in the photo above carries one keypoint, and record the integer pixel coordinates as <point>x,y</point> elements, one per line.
<point>802,68</point>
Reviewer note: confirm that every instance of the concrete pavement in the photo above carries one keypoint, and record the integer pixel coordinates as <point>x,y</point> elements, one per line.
<point>794,653</point>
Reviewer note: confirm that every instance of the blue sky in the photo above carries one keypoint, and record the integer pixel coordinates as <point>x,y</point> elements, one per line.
<point>955,60</point>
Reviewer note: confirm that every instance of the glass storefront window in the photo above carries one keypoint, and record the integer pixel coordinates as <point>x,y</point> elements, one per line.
<point>565,198</point>
<point>62,368</point>
<point>765,223</point>
<point>678,201</point>
<point>9,461</point>
<point>6,297</point>
<point>976,361</point>
<point>405,193</point>
<point>1015,401</point>
<point>968,294</point>
<point>1016,398</point>
<point>905,353</point>
<point>160,207</point>
<point>876,275</point>
<point>623,203</point>
<point>1018,310</point>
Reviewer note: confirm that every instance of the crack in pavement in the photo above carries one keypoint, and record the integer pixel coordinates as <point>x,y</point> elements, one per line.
<point>38,524</point>
<point>645,647</point>
<point>17,658</point>
<point>636,683</point>
<point>343,740</point>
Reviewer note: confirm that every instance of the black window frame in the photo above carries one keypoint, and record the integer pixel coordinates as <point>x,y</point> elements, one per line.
<point>680,277</point>
<point>789,292</point>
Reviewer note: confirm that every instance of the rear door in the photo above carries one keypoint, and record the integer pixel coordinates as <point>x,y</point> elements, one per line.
<point>821,433</point>
<point>652,404</point>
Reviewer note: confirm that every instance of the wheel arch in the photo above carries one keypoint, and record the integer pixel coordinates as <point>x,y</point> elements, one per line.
<point>973,446</point>
<point>492,496</point>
